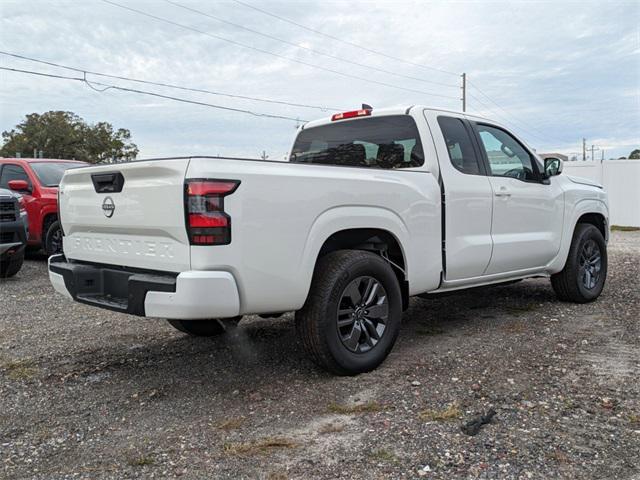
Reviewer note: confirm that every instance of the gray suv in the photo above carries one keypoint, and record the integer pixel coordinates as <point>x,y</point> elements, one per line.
<point>13,233</point>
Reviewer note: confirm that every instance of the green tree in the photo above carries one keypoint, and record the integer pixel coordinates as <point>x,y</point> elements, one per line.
<point>66,135</point>
<point>635,154</point>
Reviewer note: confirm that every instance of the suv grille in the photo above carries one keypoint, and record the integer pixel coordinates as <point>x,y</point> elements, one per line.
<point>7,210</point>
<point>7,237</point>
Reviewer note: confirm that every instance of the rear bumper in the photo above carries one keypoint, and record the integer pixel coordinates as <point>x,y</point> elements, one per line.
<point>187,295</point>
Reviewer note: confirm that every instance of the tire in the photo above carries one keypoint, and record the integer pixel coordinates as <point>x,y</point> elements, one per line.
<point>327,332</point>
<point>574,283</point>
<point>12,265</point>
<point>198,328</point>
<point>53,239</point>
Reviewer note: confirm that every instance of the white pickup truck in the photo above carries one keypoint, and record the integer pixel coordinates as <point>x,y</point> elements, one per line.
<point>372,208</point>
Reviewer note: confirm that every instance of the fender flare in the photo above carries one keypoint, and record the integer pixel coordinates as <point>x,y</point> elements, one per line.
<point>349,217</point>
<point>582,207</point>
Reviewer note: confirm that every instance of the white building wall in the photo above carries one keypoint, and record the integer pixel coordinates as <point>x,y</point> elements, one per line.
<point>621,179</point>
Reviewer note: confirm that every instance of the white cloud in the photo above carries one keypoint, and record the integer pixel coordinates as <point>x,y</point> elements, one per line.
<point>565,70</point>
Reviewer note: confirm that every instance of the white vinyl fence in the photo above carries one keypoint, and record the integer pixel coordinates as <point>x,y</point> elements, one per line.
<point>621,180</point>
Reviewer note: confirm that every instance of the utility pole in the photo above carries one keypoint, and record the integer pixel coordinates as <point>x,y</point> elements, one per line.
<point>264,155</point>
<point>593,148</point>
<point>464,92</point>
<point>584,149</point>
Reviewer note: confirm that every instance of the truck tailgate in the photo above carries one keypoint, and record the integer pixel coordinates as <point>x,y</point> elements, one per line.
<point>140,223</point>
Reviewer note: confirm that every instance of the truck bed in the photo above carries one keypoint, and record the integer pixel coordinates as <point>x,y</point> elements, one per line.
<point>281,214</point>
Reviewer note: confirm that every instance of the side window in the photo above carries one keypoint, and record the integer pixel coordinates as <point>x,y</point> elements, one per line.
<point>12,172</point>
<point>459,145</point>
<point>506,156</point>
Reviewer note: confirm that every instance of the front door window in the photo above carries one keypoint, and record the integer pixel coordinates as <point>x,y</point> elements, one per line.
<point>506,156</point>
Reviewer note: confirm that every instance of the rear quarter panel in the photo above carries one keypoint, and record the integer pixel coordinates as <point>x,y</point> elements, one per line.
<point>282,213</point>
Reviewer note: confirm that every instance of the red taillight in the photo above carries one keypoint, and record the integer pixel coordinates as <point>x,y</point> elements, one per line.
<point>198,220</point>
<point>207,222</point>
<point>211,187</point>
<point>352,114</point>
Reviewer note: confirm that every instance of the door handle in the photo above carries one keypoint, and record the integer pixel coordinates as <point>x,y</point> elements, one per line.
<point>503,192</point>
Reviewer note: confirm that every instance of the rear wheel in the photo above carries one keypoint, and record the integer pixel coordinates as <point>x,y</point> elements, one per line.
<point>11,265</point>
<point>53,239</point>
<point>351,318</point>
<point>198,328</point>
<point>584,274</point>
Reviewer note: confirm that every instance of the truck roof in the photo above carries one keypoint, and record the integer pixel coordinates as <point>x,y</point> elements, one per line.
<point>397,110</point>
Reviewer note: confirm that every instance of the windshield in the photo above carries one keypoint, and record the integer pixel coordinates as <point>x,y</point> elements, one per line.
<point>50,173</point>
<point>377,142</point>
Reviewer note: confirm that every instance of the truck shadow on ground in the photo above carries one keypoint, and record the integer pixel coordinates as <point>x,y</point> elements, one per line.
<point>257,351</point>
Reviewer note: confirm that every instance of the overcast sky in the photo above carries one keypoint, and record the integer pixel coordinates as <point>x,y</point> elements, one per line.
<point>559,71</point>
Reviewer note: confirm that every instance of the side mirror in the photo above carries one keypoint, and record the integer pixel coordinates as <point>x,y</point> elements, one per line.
<point>552,166</point>
<point>19,186</point>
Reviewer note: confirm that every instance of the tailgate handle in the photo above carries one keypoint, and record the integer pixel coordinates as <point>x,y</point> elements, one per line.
<point>108,182</point>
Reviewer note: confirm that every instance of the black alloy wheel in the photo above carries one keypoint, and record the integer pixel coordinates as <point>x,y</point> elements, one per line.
<point>362,314</point>
<point>590,264</point>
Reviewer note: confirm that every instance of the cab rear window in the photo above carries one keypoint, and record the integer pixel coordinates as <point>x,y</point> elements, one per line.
<point>387,142</point>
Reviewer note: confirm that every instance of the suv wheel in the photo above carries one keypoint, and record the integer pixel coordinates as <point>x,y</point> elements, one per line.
<point>584,274</point>
<point>198,328</point>
<point>351,318</point>
<point>53,239</point>
<point>11,265</point>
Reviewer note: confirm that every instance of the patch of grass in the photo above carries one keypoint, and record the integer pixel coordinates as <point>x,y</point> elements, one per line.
<point>451,412</point>
<point>231,423</point>
<point>559,456</point>
<point>622,228</point>
<point>276,476</point>
<point>570,404</point>
<point>42,435</point>
<point>383,455</point>
<point>428,331</point>
<point>518,309</point>
<point>258,447</point>
<point>20,369</point>
<point>516,327</point>
<point>369,407</point>
<point>331,428</point>
<point>140,461</point>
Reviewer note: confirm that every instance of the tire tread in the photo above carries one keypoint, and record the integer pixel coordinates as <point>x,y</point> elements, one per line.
<point>564,282</point>
<point>309,319</point>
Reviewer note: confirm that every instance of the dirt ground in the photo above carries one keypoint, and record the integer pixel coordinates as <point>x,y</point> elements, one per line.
<point>86,393</point>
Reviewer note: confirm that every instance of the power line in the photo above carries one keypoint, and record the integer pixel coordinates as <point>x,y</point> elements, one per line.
<point>505,111</point>
<point>267,52</point>
<point>169,85</point>
<point>507,120</point>
<point>240,2</point>
<point>346,42</point>
<point>309,49</point>
<point>153,94</point>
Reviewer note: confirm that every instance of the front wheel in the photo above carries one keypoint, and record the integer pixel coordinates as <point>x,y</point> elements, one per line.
<point>198,328</point>
<point>53,239</point>
<point>584,274</point>
<point>351,318</point>
<point>11,265</point>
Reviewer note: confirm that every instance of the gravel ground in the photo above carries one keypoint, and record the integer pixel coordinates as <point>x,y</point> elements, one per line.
<point>87,393</point>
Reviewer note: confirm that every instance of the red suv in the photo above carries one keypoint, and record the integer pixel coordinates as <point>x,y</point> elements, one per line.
<point>37,179</point>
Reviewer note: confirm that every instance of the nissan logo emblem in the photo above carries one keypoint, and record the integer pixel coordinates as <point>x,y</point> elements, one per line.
<point>108,207</point>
